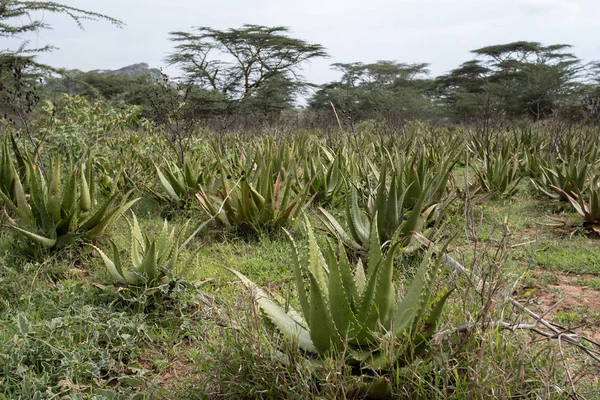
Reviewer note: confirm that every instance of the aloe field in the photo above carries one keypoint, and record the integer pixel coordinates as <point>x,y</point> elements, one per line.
<point>431,261</point>
<point>299,200</point>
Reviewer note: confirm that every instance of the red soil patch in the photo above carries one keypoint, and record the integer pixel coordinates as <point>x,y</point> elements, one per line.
<point>573,296</point>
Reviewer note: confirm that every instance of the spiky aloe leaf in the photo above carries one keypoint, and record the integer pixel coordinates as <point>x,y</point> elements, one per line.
<point>63,226</point>
<point>270,206</point>
<point>358,229</point>
<point>348,279</point>
<point>287,325</point>
<point>42,240</point>
<point>108,219</point>
<point>323,331</point>
<point>173,256</point>
<point>375,254</point>
<point>385,295</point>
<point>54,195</point>
<point>111,266</point>
<point>137,244</point>
<point>389,217</point>
<point>360,277</point>
<point>6,170</point>
<point>190,178</point>
<point>430,326</point>
<point>299,279</point>
<point>340,300</point>
<point>37,199</point>
<point>316,262</point>
<point>69,197</point>
<point>21,208</point>
<point>149,267</point>
<point>98,216</point>
<point>415,299</point>
<point>167,185</point>
<point>379,203</point>
<point>336,228</point>
<point>414,220</point>
<point>248,208</point>
<point>163,240</point>
<point>85,199</point>
<point>367,314</point>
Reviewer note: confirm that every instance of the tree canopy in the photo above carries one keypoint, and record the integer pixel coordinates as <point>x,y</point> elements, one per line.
<point>240,62</point>
<point>13,13</point>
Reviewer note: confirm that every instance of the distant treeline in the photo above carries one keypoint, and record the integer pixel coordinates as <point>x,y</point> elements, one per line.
<point>256,70</point>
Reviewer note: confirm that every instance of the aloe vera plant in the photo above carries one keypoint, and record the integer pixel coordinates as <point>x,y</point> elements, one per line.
<point>400,207</point>
<point>11,168</point>
<point>181,184</point>
<point>151,258</point>
<point>269,202</point>
<point>352,312</point>
<point>561,180</point>
<point>588,210</point>
<point>7,172</point>
<point>54,212</point>
<point>499,174</point>
<point>323,175</point>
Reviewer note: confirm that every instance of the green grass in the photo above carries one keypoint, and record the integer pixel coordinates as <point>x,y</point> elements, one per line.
<point>67,331</point>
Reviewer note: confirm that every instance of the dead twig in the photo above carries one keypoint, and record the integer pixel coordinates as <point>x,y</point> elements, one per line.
<point>554,331</point>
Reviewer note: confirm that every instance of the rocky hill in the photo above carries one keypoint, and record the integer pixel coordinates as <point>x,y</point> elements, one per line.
<point>131,70</point>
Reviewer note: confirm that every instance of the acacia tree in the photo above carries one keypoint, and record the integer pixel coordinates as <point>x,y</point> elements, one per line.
<point>590,97</point>
<point>240,62</point>
<point>374,89</point>
<point>513,79</point>
<point>19,71</point>
<point>14,12</point>
<point>463,90</point>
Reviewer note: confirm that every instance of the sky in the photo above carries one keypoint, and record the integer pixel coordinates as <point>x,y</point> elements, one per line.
<point>438,32</point>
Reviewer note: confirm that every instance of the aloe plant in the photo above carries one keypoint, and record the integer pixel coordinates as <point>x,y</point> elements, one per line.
<point>322,173</point>
<point>499,174</point>
<point>561,180</point>
<point>400,207</point>
<point>180,185</point>
<point>269,202</point>
<point>588,210</point>
<point>54,212</point>
<point>7,171</point>
<point>11,168</point>
<point>151,258</point>
<point>352,312</point>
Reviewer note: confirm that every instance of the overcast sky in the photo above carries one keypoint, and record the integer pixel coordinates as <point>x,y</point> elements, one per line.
<point>439,32</point>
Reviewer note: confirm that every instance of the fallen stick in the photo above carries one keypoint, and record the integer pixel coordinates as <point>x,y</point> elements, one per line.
<point>556,332</point>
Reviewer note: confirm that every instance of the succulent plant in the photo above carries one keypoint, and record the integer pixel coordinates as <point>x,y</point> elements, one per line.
<point>269,202</point>
<point>500,174</point>
<point>56,212</point>
<point>151,258</point>
<point>352,312</point>
<point>401,206</point>
<point>561,180</point>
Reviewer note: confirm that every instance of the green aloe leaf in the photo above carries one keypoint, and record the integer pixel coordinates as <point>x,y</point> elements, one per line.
<point>85,199</point>
<point>149,266</point>
<point>167,185</point>
<point>42,240</point>
<point>299,279</point>
<point>323,331</point>
<point>415,298</point>
<point>112,267</point>
<point>287,325</point>
<point>340,300</point>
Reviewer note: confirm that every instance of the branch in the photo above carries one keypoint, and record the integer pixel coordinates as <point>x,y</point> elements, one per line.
<point>554,331</point>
